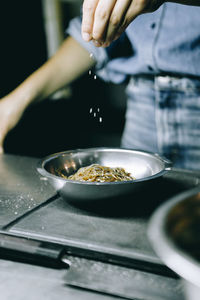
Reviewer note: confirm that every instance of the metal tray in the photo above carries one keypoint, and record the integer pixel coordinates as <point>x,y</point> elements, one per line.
<point>115,229</point>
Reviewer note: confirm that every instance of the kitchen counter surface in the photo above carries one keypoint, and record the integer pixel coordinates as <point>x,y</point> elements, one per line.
<point>23,281</point>
<point>22,191</point>
<point>21,188</point>
<point>30,208</point>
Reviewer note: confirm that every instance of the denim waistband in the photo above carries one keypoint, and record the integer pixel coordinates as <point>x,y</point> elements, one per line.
<point>176,83</point>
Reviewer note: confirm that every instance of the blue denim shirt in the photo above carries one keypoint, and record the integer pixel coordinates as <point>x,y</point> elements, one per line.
<point>164,42</point>
<point>162,111</point>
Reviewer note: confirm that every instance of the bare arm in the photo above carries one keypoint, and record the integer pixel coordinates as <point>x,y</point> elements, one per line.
<point>105,20</point>
<point>70,61</point>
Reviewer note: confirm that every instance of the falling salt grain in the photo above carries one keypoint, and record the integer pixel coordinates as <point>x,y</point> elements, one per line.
<point>90,110</point>
<point>98,109</point>
<point>100,119</point>
<point>91,55</point>
<point>95,114</point>
<point>43,178</point>
<point>90,72</point>
<point>95,76</point>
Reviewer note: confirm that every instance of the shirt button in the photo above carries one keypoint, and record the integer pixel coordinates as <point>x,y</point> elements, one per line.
<point>153,25</point>
<point>150,68</point>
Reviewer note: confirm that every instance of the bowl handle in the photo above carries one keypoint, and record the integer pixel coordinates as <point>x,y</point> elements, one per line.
<point>167,162</point>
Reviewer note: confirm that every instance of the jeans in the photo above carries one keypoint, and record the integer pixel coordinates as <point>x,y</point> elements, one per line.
<point>163,116</point>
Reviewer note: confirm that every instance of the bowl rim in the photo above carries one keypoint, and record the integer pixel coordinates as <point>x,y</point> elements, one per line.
<point>174,257</point>
<point>42,162</point>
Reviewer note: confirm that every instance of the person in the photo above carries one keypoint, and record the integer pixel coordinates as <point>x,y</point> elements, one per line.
<point>157,54</point>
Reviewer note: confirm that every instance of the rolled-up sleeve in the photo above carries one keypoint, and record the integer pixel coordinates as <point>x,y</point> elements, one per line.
<point>109,61</point>
<point>98,54</point>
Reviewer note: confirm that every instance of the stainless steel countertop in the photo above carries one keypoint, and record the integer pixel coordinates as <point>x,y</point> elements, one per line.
<point>21,187</point>
<point>22,192</point>
<point>22,281</point>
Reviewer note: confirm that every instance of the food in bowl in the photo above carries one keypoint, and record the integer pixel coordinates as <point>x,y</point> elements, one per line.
<point>99,173</point>
<point>183,225</point>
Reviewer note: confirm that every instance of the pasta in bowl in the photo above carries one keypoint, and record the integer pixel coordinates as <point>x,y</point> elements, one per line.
<point>98,173</point>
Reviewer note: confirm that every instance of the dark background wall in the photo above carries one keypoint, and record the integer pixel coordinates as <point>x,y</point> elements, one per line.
<point>53,126</point>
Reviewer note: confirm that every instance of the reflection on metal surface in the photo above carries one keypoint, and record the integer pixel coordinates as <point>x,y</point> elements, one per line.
<point>119,281</point>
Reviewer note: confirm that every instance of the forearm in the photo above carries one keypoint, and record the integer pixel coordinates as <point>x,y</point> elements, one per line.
<point>69,62</point>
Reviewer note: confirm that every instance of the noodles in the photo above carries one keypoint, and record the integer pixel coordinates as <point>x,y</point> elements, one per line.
<point>98,173</point>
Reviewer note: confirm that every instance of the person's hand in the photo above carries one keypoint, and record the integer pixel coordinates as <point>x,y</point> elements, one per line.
<point>105,20</point>
<point>10,114</point>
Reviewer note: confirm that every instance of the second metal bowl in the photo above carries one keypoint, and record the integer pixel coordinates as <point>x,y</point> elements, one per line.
<point>174,231</point>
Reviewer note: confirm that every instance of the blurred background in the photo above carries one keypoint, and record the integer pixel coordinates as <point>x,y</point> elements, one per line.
<point>31,31</point>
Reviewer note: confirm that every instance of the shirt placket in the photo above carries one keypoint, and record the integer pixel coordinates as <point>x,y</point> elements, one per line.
<point>155,29</point>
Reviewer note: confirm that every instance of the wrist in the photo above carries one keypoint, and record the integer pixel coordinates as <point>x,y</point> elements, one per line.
<point>23,95</point>
<point>17,100</point>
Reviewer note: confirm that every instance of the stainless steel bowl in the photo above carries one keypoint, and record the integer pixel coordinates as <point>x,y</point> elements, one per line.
<point>143,166</point>
<point>174,231</point>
